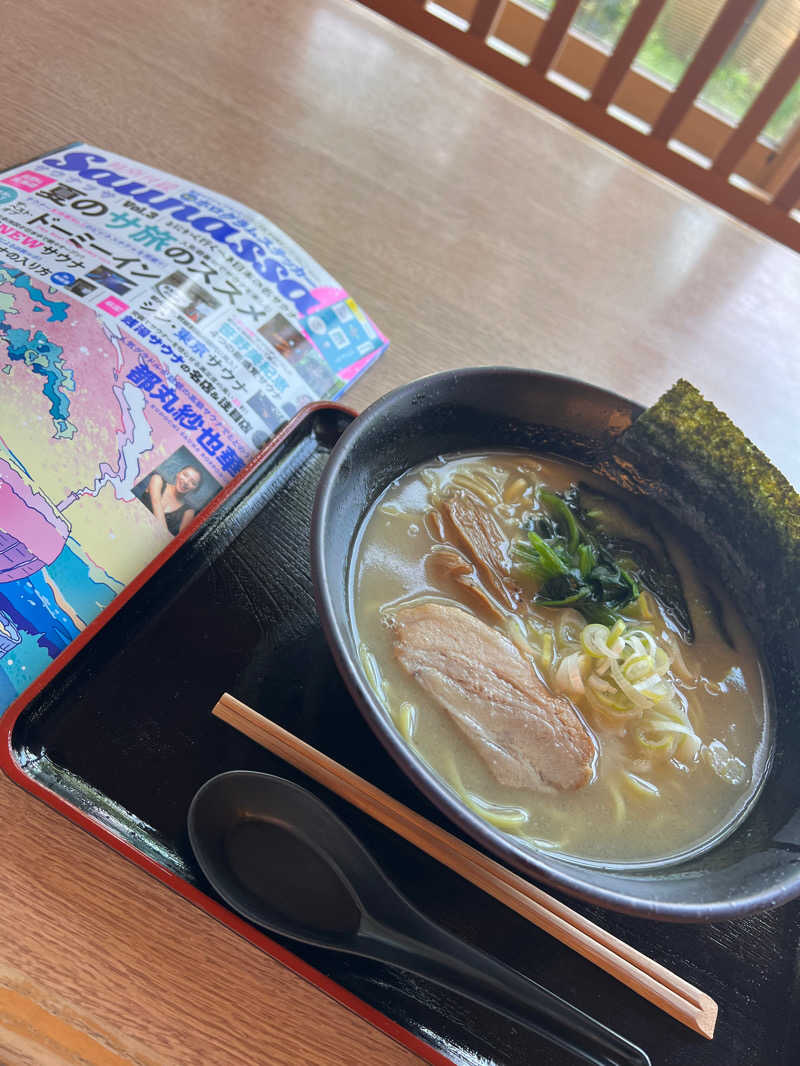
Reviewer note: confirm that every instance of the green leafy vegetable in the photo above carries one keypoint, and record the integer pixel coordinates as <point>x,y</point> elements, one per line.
<point>636,535</point>
<point>637,541</point>
<point>572,564</point>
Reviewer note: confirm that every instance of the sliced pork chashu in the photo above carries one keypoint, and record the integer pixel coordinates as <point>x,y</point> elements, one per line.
<point>528,737</point>
<point>472,529</point>
<point>448,569</point>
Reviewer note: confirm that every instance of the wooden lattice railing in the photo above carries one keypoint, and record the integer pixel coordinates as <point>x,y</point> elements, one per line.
<point>730,165</point>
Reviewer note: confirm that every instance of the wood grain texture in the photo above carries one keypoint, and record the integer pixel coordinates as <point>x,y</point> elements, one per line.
<point>38,1028</point>
<point>638,144</point>
<point>473,226</point>
<point>475,229</point>
<point>119,970</point>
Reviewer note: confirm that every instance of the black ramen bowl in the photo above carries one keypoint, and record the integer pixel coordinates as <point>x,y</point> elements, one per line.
<point>757,865</point>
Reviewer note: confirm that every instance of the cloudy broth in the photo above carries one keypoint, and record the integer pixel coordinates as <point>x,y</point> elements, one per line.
<point>662,785</point>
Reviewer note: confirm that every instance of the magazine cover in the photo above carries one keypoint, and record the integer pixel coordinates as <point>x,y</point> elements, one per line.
<point>153,336</point>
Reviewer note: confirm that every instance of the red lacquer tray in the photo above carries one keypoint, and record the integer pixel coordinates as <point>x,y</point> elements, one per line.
<point>228,606</point>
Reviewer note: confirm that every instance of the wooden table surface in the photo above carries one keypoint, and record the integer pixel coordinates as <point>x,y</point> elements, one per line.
<point>475,229</point>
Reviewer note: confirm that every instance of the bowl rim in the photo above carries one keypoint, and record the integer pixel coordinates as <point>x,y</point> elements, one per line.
<point>528,861</point>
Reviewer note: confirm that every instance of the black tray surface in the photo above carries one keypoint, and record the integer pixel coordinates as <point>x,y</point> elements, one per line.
<point>125,734</point>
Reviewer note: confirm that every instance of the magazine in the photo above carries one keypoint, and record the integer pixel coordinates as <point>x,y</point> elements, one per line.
<point>153,336</point>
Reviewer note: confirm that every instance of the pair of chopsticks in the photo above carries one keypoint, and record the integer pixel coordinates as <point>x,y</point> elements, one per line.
<point>643,975</point>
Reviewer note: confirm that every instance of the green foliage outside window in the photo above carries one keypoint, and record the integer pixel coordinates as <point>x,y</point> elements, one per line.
<point>731,88</point>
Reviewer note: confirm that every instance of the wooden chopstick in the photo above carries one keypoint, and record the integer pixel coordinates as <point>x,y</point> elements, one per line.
<point>640,973</point>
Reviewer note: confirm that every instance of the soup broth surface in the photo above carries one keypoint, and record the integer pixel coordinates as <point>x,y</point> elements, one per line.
<point>653,797</point>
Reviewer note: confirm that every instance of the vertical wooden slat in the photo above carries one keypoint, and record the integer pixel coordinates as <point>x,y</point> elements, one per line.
<point>789,193</point>
<point>639,25</point>
<point>715,44</point>
<point>554,32</point>
<point>781,163</point>
<point>483,17</point>
<point>758,114</point>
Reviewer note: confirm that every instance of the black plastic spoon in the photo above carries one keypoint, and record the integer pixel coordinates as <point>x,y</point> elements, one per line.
<point>282,859</point>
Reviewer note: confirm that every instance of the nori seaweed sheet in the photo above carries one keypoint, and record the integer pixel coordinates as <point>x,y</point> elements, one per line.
<point>689,456</point>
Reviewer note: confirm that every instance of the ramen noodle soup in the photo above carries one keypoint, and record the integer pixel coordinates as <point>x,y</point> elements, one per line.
<point>559,656</point>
